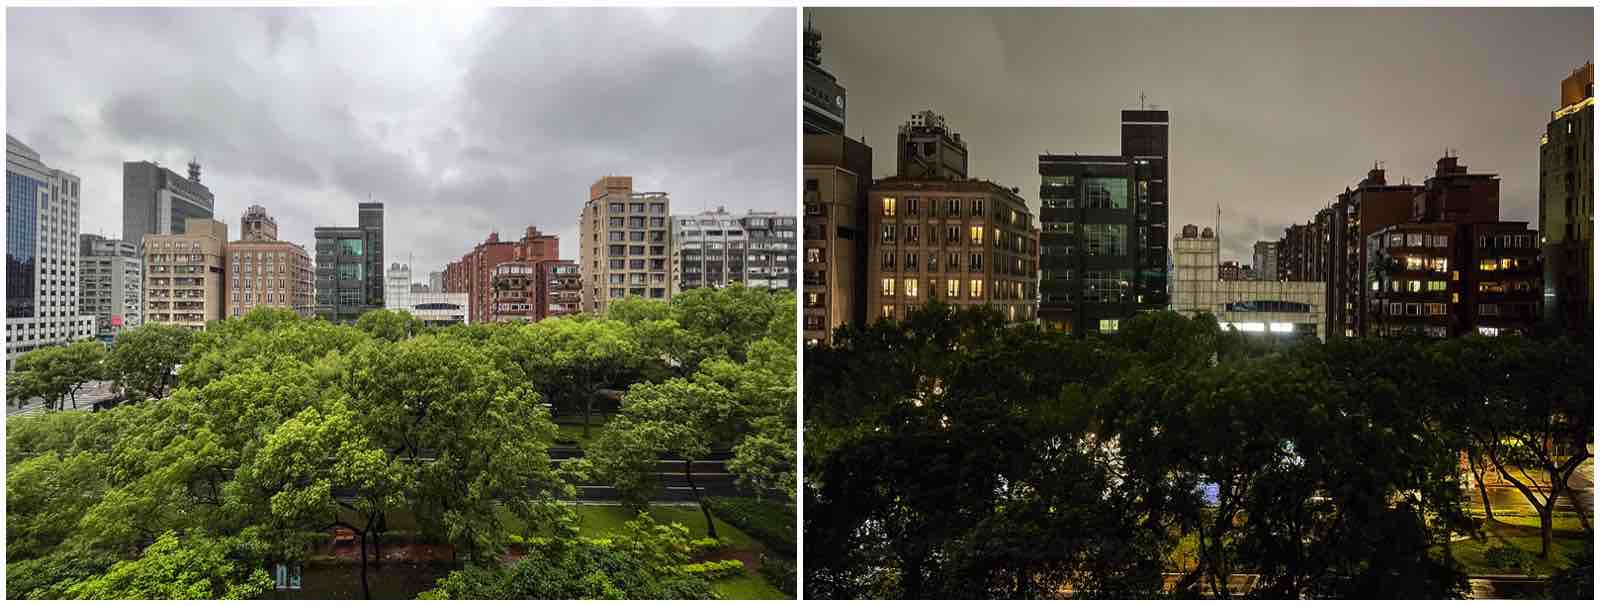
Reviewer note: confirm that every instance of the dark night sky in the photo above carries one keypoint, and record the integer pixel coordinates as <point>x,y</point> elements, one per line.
<point>1274,111</point>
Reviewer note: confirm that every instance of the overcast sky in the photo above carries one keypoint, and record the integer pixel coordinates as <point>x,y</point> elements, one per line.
<point>1274,111</point>
<point>460,120</point>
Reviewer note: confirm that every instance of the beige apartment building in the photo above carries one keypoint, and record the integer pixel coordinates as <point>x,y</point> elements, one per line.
<point>266,272</point>
<point>624,244</point>
<point>837,174</point>
<point>967,242</point>
<point>184,274</point>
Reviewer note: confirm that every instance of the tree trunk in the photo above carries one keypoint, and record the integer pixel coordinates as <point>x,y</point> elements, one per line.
<point>911,580</point>
<point>1546,526</point>
<point>588,408</point>
<point>366,593</point>
<point>688,474</point>
<point>1478,473</point>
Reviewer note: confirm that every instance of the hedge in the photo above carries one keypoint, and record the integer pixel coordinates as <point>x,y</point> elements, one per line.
<point>770,522</point>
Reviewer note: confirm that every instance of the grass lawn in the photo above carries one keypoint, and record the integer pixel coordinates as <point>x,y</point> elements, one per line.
<point>1522,532</point>
<point>597,520</point>
<point>570,428</point>
<point>748,586</point>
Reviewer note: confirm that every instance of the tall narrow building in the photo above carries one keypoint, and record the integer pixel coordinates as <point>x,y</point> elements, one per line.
<point>823,96</point>
<point>156,200</point>
<point>838,176</point>
<point>623,244</point>
<point>349,270</point>
<point>1566,207</point>
<point>41,254</point>
<point>1337,250</point>
<point>1103,246</point>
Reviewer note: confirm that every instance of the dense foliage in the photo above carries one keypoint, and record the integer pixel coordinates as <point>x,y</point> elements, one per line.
<point>257,437</point>
<point>955,455</point>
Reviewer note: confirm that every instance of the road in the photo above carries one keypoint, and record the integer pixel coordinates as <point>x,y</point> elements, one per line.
<point>1506,498</point>
<point>91,392</point>
<point>711,476</point>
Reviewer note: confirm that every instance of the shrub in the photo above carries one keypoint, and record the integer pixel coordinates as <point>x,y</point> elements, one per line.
<point>700,547</point>
<point>712,571</point>
<point>770,522</point>
<point>780,572</point>
<point>1508,557</point>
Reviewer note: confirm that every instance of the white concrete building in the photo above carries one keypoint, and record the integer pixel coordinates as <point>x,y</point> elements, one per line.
<point>716,248</point>
<point>41,255</point>
<point>1273,308</point>
<point>433,308</point>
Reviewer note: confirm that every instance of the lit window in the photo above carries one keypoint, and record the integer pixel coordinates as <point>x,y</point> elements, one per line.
<point>975,289</point>
<point>1488,265</point>
<point>1109,326</point>
<point>976,235</point>
<point>1413,262</point>
<point>888,207</point>
<point>911,287</point>
<point>953,289</point>
<point>888,312</point>
<point>888,287</point>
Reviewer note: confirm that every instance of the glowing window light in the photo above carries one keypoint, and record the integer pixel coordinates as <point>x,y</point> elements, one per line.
<point>1252,327</point>
<point>1282,327</point>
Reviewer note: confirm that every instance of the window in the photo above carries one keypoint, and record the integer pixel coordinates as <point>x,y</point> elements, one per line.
<point>888,207</point>
<point>1413,309</point>
<point>1439,264</point>
<point>933,262</point>
<point>976,235</point>
<point>975,289</point>
<point>1434,309</point>
<point>1397,239</point>
<point>952,207</point>
<point>887,261</point>
<point>1488,309</point>
<point>1436,285</point>
<point>977,208</point>
<point>350,246</point>
<point>911,287</point>
<point>1414,286</point>
<point>1441,241</point>
<point>888,312</point>
<point>1394,309</point>
<point>952,234</point>
<point>952,289</point>
<point>1109,326</point>
<point>346,271</point>
<point>1106,286</point>
<point>813,255</point>
<point>887,235</point>
<point>913,233</point>
<point>912,206</point>
<point>1103,192</point>
<point>975,261</point>
<point>888,287</point>
<point>1414,239</point>
<point>1491,287</point>
<point>1107,240</point>
<point>1488,265</point>
<point>911,262</point>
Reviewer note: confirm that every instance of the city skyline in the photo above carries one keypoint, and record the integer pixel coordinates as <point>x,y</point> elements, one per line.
<point>1029,82</point>
<point>461,121</point>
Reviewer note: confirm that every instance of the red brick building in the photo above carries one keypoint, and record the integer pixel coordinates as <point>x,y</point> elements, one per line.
<point>474,273</point>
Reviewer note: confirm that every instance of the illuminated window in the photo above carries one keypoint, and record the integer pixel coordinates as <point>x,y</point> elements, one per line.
<point>953,289</point>
<point>1414,262</point>
<point>976,234</point>
<point>975,289</point>
<point>1508,263</point>
<point>1414,239</point>
<point>888,312</point>
<point>1109,326</point>
<point>888,287</point>
<point>1439,264</point>
<point>1455,297</point>
<point>1494,287</point>
<point>888,207</point>
<point>1488,265</point>
<point>1103,192</point>
<point>887,234</point>
<point>1436,285</point>
<point>1414,286</point>
<point>911,287</point>
<point>1441,241</point>
<point>813,255</point>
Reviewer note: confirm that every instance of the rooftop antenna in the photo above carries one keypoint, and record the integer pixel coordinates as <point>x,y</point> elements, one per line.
<point>1141,100</point>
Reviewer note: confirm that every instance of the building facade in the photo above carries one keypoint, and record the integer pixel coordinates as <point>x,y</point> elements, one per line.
<point>1566,207</point>
<point>1232,271</point>
<point>349,266</point>
<point>1447,279</point>
<point>474,274</point>
<point>42,260</point>
<point>928,149</point>
<point>838,176</point>
<point>716,248</point>
<point>110,284</point>
<point>624,244</point>
<point>561,288</point>
<point>823,98</point>
<point>432,308</point>
<point>965,242</point>
<point>264,271</point>
<point>156,200</point>
<point>1264,259</point>
<point>185,275</point>
<point>1340,257</point>
<point>1265,308</point>
<point>1103,248</point>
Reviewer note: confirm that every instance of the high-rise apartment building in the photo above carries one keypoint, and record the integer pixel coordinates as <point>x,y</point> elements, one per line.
<point>475,273</point>
<point>264,271</point>
<point>716,248</point>
<point>156,200</point>
<point>561,288</point>
<point>349,269</point>
<point>1566,207</point>
<point>1103,248</point>
<point>1264,258</point>
<point>624,243</point>
<point>838,176</point>
<point>965,242</point>
<point>110,284</point>
<point>41,254</point>
<point>1446,279</point>
<point>1338,252</point>
<point>184,274</point>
